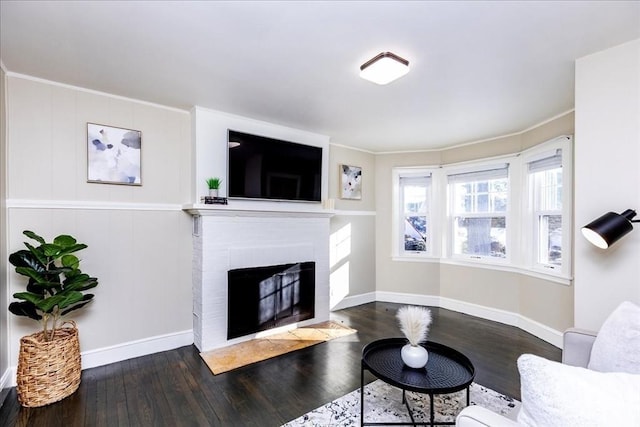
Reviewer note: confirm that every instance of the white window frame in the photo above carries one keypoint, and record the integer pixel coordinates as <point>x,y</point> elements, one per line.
<point>530,228</point>
<point>451,214</point>
<point>397,223</point>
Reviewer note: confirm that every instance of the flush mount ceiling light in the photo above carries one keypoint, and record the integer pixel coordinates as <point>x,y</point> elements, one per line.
<point>384,68</point>
<point>609,228</point>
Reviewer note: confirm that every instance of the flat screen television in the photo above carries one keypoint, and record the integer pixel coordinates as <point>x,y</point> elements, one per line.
<point>272,169</point>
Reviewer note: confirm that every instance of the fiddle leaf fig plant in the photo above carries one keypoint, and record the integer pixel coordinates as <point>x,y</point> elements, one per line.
<point>55,283</point>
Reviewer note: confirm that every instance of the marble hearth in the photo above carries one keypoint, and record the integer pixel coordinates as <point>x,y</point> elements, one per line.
<point>225,238</point>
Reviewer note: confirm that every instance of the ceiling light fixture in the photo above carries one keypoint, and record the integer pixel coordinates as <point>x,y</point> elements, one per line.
<point>384,68</point>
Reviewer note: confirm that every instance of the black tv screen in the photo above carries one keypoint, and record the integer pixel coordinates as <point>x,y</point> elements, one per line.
<point>267,168</point>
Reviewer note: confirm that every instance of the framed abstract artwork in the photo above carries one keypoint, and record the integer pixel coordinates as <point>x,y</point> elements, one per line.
<point>350,182</point>
<point>113,155</point>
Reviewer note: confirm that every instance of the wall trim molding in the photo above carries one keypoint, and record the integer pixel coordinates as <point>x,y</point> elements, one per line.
<point>124,351</point>
<point>94,92</point>
<point>340,212</point>
<point>90,205</point>
<point>493,138</point>
<point>531,326</point>
<point>5,379</point>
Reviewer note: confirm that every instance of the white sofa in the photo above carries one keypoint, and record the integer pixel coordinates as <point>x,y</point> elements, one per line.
<point>597,384</point>
<point>576,346</point>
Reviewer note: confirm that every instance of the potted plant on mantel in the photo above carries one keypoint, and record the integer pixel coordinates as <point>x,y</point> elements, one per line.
<point>49,365</point>
<point>214,186</point>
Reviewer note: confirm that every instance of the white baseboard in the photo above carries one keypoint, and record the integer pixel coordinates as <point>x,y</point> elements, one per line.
<point>355,300</point>
<point>117,353</point>
<point>533,327</point>
<point>5,380</point>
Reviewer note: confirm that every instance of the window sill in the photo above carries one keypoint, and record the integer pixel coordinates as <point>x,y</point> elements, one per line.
<point>415,258</point>
<point>556,278</point>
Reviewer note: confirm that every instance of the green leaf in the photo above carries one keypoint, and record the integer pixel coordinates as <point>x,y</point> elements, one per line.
<point>34,236</point>
<point>64,241</point>
<point>85,300</point>
<point>24,258</point>
<point>47,286</point>
<point>81,284</point>
<point>62,300</point>
<point>24,309</point>
<point>30,297</point>
<point>34,288</point>
<point>70,261</point>
<point>30,272</point>
<point>37,253</point>
<point>73,248</point>
<point>51,250</point>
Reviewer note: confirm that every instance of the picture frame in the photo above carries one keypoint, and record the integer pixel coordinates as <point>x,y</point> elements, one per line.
<point>350,182</point>
<point>113,155</point>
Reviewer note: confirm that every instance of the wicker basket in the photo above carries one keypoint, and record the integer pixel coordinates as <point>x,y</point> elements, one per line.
<point>48,371</point>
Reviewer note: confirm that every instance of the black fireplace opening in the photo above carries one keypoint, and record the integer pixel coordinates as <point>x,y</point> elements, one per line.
<point>261,298</point>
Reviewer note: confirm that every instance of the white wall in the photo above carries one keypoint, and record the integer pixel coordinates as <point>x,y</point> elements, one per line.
<point>607,178</point>
<point>138,236</point>
<point>209,141</point>
<point>4,328</point>
<point>353,234</point>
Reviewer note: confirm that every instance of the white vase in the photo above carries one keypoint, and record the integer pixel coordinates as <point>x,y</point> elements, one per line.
<point>414,356</point>
<point>213,192</point>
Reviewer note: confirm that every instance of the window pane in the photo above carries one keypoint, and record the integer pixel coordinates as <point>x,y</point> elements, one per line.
<point>415,198</point>
<point>550,239</point>
<point>480,236</point>
<point>415,233</point>
<point>548,190</point>
<point>481,196</point>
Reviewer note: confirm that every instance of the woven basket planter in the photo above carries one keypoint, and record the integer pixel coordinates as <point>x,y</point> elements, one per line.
<point>48,371</point>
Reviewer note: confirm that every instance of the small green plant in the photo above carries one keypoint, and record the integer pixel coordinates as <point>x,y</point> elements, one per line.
<point>55,283</point>
<point>214,183</point>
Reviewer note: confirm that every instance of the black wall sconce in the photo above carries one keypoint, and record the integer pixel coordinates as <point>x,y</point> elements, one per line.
<point>609,228</point>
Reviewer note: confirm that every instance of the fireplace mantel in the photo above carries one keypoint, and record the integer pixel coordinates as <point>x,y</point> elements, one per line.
<point>270,210</point>
<point>252,234</point>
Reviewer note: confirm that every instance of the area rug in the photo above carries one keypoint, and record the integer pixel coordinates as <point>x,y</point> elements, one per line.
<point>242,354</point>
<point>383,403</point>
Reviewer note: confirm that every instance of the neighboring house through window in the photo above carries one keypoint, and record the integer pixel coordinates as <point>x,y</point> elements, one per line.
<point>478,206</point>
<point>413,224</point>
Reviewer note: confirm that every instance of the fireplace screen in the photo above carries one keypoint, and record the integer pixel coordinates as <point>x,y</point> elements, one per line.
<point>262,298</point>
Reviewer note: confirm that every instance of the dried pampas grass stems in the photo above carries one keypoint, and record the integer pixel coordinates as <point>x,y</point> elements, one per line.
<point>414,323</point>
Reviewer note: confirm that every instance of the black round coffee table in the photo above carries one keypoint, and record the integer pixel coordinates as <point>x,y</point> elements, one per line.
<point>447,371</point>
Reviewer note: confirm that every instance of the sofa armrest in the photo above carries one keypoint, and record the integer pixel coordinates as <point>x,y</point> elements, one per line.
<point>576,348</point>
<point>477,416</point>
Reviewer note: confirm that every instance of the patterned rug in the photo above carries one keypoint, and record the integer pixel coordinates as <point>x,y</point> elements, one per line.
<point>383,403</point>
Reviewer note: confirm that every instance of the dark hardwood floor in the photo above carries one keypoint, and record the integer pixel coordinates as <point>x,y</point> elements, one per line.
<point>175,388</point>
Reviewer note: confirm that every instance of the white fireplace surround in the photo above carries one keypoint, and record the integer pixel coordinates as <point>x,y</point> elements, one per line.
<point>226,239</point>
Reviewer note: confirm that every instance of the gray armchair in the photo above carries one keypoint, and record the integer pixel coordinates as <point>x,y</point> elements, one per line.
<point>577,345</point>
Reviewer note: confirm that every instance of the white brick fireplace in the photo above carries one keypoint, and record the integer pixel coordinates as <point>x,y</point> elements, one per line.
<point>226,238</point>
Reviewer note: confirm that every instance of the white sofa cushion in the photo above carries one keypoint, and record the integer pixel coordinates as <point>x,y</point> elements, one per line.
<point>617,346</point>
<point>554,394</point>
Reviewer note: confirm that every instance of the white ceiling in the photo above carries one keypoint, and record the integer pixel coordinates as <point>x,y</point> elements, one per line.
<point>478,69</point>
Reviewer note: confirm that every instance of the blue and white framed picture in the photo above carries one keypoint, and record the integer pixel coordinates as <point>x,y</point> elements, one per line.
<point>113,155</point>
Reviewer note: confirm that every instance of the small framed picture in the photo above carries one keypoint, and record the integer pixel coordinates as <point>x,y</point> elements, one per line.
<point>350,182</point>
<point>113,155</point>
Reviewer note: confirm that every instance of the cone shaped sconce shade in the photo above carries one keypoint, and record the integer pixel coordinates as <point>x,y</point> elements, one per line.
<point>384,68</point>
<point>609,228</point>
